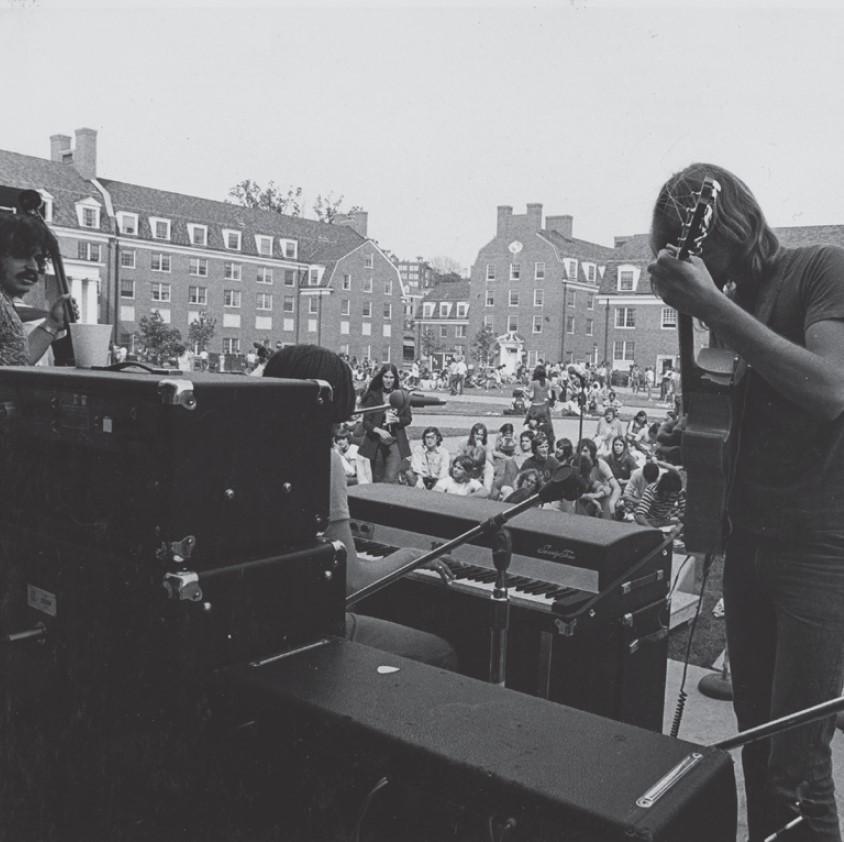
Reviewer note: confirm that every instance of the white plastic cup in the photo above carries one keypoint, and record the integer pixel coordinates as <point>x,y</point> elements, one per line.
<point>90,344</point>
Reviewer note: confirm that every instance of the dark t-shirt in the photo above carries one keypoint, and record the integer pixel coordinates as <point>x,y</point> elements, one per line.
<point>790,465</point>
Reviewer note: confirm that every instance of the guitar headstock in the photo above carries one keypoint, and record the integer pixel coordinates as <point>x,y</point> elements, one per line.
<point>698,219</point>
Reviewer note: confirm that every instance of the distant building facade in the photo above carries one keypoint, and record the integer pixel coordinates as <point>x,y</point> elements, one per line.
<point>442,322</point>
<point>130,251</point>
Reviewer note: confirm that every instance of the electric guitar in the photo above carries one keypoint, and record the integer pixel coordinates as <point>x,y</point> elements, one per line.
<point>707,386</point>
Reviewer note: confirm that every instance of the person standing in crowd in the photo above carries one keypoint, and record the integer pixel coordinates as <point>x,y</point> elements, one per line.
<point>783,314</point>
<point>307,362</point>
<point>25,246</point>
<point>539,394</point>
<point>385,441</point>
<point>430,459</point>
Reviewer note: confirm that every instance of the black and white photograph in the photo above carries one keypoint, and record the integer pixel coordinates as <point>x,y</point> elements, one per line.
<point>279,281</point>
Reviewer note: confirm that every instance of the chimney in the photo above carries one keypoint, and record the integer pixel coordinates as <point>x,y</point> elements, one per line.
<point>561,224</point>
<point>356,220</point>
<point>504,214</point>
<point>85,153</point>
<point>534,216</point>
<point>59,144</point>
<point>618,242</point>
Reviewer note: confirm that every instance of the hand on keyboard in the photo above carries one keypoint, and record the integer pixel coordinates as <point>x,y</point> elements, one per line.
<point>440,565</point>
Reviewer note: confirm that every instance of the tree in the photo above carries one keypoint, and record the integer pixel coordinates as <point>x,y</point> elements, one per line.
<point>250,194</point>
<point>429,344</point>
<point>202,330</point>
<point>484,345</point>
<point>158,339</point>
<point>443,265</point>
<point>327,207</point>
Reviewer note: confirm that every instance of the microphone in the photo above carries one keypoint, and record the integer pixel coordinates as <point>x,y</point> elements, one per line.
<point>398,400</point>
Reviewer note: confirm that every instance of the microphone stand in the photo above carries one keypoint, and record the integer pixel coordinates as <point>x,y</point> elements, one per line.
<point>777,726</point>
<point>554,489</point>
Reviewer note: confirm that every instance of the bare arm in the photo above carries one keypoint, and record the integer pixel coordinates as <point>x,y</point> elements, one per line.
<point>812,377</point>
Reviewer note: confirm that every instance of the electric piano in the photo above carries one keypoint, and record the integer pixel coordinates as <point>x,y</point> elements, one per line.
<point>589,609</point>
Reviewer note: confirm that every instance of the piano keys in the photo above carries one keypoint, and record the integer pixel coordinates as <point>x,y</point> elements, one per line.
<point>589,613</point>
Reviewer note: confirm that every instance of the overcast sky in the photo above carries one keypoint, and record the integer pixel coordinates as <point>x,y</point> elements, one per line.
<point>429,116</point>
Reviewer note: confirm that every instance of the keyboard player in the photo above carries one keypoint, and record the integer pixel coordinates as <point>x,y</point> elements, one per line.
<point>306,362</point>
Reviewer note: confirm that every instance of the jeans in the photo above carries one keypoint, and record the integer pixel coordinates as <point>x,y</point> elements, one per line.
<point>386,463</point>
<point>785,633</point>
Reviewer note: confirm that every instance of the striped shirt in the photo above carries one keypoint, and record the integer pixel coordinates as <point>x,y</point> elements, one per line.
<point>657,509</point>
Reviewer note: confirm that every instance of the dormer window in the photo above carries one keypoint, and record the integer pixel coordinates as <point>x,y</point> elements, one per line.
<point>462,309</point>
<point>444,309</point>
<point>159,228</point>
<point>628,278</point>
<point>589,269</point>
<point>289,248</point>
<point>88,213</point>
<point>428,310</point>
<point>264,245</point>
<point>47,207</point>
<point>127,223</point>
<point>571,269</point>
<point>198,234</point>
<point>231,239</point>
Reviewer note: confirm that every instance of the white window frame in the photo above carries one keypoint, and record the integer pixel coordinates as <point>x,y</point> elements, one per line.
<point>515,271</point>
<point>124,253</point>
<point>590,270</point>
<point>537,324</point>
<point>231,344</point>
<point>47,208</point>
<point>347,282</point>
<point>264,275</point>
<point>462,309</point>
<point>199,263</point>
<point>460,331</point>
<point>289,248</point>
<point>443,331</point>
<point>200,297</point>
<point>513,298</point>
<point>624,318</point>
<point>590,327</point>
<point>88,204</point>
<point>571,298</point>
<point>571,268</point>
<point>428,309</point>
<point>490,271</point>
<point>444,309</point>
<point>627,347</point>
<point>127,281</point>
<point>539,270</point>
<point>367,284</point>
<point>490,298</point>
<point>388,286</point>
<point>122,218</point>
<point>366,309</point>
<point>570,327</point>
<point>369,261</point>
<point>232,271</point>
<point>668,318</point>
<point>633,272</point>
<point>313,306</point>
<point>388,310</point>
<point>345,306</point>
<point>154,222</point>
<point>195,229</point>
<point>290,278</point>
<point>232,295</point>
<point>512,323</point>
<point>164,262</point>
<point>539,298</point>
<point>288,304</point>
<point>264,301</point>
<point>161,292</point>
<point>264,245</point>
<point>590,300</point>
<point>238,237</point>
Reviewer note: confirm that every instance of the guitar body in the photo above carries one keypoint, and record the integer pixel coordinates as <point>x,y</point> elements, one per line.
<point>709,447</point>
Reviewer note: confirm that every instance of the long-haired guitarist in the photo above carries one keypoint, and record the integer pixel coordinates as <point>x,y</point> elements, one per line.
<point>784,564</point>
<point>24,247</point>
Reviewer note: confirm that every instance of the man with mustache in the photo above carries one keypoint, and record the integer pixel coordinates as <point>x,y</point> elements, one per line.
<point>25,244</point>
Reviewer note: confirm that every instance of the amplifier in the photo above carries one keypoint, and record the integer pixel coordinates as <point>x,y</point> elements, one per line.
<point>401,750</point>
<point>209,466</point>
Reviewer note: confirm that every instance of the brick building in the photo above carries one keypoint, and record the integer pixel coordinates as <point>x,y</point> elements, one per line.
<point>537,286</point>
<point>442,323</point>
<point>131,250</point>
